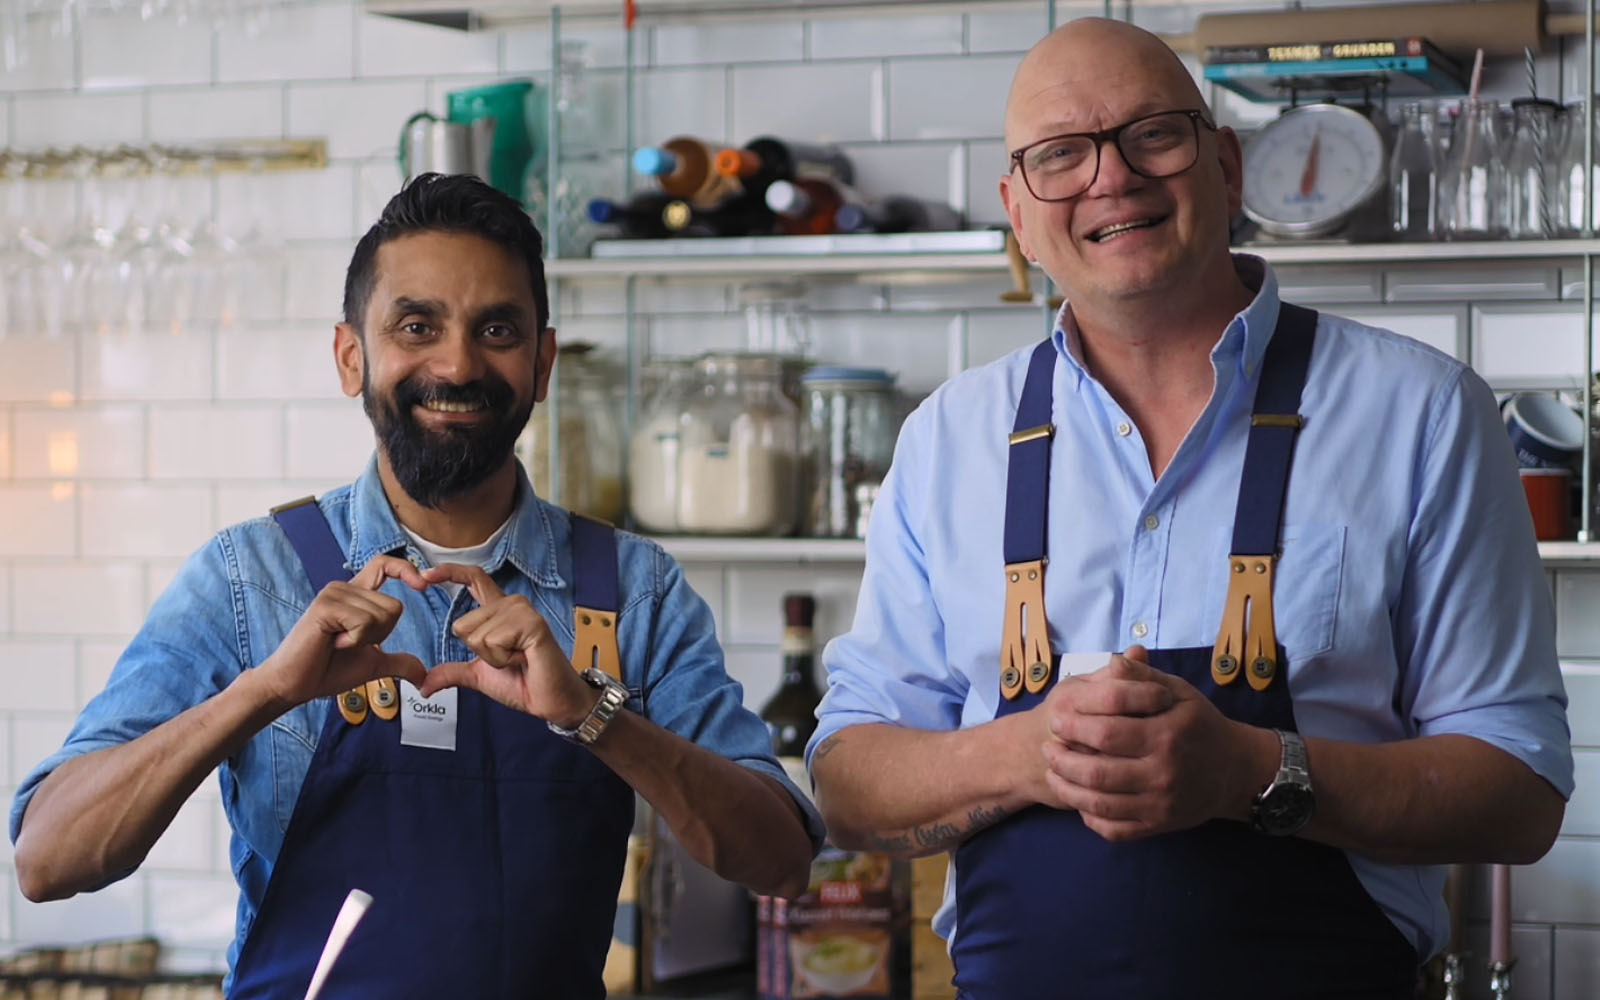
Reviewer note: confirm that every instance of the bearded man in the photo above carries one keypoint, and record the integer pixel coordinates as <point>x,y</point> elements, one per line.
<point>430,684</point>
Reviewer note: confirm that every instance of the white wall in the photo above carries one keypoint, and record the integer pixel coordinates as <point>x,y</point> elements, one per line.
<point>178,435</point>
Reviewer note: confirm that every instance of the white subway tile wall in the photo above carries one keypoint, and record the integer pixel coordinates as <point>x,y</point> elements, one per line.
<point>119,455</point>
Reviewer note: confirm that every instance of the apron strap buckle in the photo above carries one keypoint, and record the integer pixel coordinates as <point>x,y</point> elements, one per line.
<point>383,697</point>
<point>1248,639</point>
<point>1025,655</point>
<point>596,644</point>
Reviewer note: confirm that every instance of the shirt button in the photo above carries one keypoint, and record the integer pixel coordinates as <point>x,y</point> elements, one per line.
<point>1123,429</point>
<point>1140,630</point>
<point>1151,523</point>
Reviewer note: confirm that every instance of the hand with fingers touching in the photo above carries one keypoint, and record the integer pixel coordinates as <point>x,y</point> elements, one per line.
<point>518,662</point>
<point>1138,751</point>
<point>336,644</point>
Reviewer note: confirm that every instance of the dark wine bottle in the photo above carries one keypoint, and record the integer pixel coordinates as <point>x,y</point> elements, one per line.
<point>791,713</point>
<point>637,218</point>
<point>741,216</point>
<point>765,159</point>
<point>897,214</point>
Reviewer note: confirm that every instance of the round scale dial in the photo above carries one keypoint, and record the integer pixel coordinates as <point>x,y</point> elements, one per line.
<point>1310,169</point>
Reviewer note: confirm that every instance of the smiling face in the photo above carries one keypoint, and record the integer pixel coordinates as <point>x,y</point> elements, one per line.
<point>449,360</point>
<point>1126,238</point>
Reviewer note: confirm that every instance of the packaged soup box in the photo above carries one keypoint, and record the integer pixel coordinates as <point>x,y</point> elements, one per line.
<point>847,936</point>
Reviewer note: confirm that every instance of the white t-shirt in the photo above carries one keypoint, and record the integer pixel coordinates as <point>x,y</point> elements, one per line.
<point>472,555</point>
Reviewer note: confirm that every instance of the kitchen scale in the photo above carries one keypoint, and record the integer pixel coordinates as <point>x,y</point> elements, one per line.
<point>1320,172</point>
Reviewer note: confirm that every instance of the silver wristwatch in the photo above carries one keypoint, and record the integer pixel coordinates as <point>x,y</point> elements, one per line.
<point>1286,805</point>
<point>613,694</point>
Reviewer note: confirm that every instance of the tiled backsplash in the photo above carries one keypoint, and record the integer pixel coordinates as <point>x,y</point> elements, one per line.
<point>120,455</point>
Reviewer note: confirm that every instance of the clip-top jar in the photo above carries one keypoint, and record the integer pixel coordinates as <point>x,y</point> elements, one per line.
<point>851,419</point>
<point>737,448</point>
<point>653,452</point>
<point>584,400</point>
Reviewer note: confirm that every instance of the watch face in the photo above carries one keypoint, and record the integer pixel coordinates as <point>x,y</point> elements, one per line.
<point>1284,808</point>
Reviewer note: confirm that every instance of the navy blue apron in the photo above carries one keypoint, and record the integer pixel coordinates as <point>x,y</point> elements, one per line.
<point>1046,908</point>
<point>493,869</point>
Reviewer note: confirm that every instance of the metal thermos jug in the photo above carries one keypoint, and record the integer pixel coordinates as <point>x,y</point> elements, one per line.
<point>432,144</point>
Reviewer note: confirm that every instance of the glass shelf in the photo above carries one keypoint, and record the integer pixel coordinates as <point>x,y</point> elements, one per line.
<point>844,260</point>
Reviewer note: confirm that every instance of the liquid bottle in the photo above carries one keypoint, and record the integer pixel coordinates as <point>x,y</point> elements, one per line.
<point>897,214</point>
<point>805,207</point>
<point>738,216</point>
<point>682,168</point>
<point>766,159</point>
<point>638,218</point>
<point>1414,176</point>
<point>791,712</point>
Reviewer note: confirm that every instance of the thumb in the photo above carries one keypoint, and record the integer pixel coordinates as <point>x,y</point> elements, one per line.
<point>448,675</point>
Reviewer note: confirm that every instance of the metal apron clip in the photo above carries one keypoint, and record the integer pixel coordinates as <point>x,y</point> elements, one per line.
<point>1248,636</point>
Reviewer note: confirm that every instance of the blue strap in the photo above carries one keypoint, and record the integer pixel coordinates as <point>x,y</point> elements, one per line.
<point>313,541</point>
<point>1028,466</point>
<point>594,565</point>
<point>1258,519</point>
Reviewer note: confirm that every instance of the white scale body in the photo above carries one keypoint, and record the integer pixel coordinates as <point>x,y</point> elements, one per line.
<point>1320,171</point>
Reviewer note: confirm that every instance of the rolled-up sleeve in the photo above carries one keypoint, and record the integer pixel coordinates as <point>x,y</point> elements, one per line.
<point>688,691</point>
<point>1475,624</point>
<point>891,666</point>
<point>187,650</point>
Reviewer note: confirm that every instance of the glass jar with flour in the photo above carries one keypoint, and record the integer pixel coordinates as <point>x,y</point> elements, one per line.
<point>737,449</point>
<point>653,451</point>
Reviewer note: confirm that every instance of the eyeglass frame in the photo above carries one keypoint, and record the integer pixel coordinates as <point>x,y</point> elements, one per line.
<point>1112,135</point>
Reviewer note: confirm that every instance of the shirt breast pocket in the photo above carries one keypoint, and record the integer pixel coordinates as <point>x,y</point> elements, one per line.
<point>1305,594</point>
<point>1307,580</point>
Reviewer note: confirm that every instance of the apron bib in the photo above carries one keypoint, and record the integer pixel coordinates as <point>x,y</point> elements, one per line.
<point>493,868</point>
<point>1047,909</point>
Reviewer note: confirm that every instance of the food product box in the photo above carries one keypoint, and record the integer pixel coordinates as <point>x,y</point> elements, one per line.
<point>846,936</point>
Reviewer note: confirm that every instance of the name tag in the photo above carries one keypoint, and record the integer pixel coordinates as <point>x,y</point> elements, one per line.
<point>429,723</point>
<point>1080,663</point>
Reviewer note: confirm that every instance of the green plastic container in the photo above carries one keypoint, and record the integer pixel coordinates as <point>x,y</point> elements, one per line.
<point>515,105</point>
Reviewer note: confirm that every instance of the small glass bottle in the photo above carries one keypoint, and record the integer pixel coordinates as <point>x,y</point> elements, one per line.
<point>584,173</point>
<point>1473,186</point>
<point>1531,170</point>
<point>1569,186</point>
<point>1414,175</point>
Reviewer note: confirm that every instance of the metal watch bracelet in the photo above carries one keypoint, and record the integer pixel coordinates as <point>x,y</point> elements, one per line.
<point>612,696</point>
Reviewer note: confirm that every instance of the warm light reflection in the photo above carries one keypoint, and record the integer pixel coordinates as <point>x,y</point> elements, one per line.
<point>61,397</point>
<point>62,453</point>
<point>61,492</point>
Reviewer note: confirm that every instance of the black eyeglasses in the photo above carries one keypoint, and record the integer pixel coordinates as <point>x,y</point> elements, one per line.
<point>1159,145</point>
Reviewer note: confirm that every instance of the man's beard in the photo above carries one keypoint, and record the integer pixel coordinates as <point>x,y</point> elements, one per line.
<point>433,465</point>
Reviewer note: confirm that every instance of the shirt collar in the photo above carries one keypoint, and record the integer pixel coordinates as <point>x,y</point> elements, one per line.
<point>529,544</point>
<point>1245,337</point>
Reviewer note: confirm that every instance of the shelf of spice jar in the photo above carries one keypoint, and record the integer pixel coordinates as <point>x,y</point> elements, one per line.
<point>845,261</point>
<point>700,549</point>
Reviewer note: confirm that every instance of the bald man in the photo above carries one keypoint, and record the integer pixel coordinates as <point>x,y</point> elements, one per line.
<point>1202,632</point>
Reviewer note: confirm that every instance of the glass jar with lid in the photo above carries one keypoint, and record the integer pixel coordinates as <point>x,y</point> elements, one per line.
<point>664,384</point>
<point>737,448</point>
<point>584,410</point>
<point>850,419</point>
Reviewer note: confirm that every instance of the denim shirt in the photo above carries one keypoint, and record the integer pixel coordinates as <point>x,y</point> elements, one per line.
<point>237,598</point>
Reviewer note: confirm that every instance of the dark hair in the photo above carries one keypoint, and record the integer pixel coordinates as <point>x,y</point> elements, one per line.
<point>447,203</point>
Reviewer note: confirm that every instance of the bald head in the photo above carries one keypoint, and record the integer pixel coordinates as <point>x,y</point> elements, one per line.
<point>1099,71</point>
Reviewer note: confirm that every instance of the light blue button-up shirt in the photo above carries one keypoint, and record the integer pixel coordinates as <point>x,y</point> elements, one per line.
<point>1410,598</point>
<point>236,599</point>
